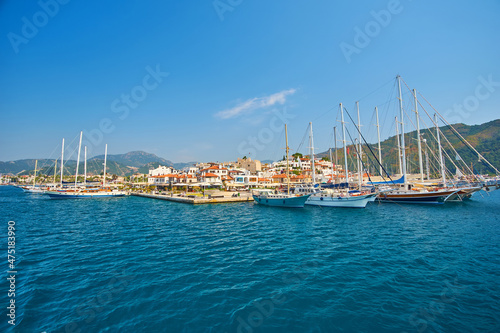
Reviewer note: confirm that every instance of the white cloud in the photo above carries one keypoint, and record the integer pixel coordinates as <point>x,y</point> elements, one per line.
<point>255,103</point>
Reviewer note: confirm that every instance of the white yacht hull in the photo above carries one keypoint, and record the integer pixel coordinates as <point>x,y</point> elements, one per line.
<point>323,200</point>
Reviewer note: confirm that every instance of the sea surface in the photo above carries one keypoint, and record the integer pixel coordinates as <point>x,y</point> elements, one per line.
<point>141,265</point>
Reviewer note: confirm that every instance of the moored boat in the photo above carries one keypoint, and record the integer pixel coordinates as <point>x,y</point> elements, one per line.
<point>267,198</point>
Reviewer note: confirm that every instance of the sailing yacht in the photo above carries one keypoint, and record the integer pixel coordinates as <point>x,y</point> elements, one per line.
<point>340,197</point>
<point>33,189</point>
<point>424,195</point>
<point>278,199</point>
<point>84,192</point>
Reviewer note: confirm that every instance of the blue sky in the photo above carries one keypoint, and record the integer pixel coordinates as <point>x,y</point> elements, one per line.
<point>215,80</point>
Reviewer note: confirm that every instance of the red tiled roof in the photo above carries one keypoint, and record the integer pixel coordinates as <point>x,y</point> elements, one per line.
<point>279,176</point>
<point>208,175</point>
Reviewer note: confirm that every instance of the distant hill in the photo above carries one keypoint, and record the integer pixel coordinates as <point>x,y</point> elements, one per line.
<point>485,138</point>
<point>136,159</point>
<point>119,164</point>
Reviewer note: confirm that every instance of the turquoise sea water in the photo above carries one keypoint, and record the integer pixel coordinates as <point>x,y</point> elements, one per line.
<point>141,265</point>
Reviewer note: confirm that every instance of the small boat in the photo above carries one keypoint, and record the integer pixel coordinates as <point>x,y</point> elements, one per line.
<point>268,198</point>
<point>33,189</point>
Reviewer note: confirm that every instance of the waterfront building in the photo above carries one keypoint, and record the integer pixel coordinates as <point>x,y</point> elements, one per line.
<point>248,164</point>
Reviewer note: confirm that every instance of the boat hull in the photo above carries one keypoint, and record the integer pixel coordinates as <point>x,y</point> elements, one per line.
<point>435,197</point>
<point>359,201</point>
<point>83,195</point>
<point>289,202</point>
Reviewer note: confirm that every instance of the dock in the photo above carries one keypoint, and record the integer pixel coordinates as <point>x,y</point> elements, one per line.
<point>196,200</point>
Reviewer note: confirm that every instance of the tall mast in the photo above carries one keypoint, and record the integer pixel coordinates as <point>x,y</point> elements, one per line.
<point>344,143</point>
<point>427,169</point>
<point>360,167</point>
<point>34,180</point>
<point>331,157</point>
<point>105,158</point>
<point>85,168</point>
<point>379,149</point>
<point>335,144</point>
<point>78,159</point>
<point>441,162</point>
<point>287,169</point>
<point>403,153</point>
<point>399,147</point>
<point>420,164</point>
<point>311,147</point>
<point>62,163</point>
<point>55,171</point>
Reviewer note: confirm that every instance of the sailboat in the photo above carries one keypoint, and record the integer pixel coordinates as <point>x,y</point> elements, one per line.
<point>406,194</point>
<point>33,188</point>
<point>84,192</point>
<point>270,198</point>
<point>339,197</point>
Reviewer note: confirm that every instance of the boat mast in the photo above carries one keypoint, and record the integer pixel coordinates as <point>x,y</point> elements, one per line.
<point>34,180</point>
<point>62,162</point>
<point>331,155</point>
<point>403,153</point>
<point>105,158</point>
<point>311,147</point>
<point>360,167</point>
<point>420,164</point>
<point>399,147</point>
<point>335,143</point>
<point>85,168</point>
<point>78,159</point>
<point>427,169</point>
<point>441,162</point>
<point>344,143</point>
<point>287,169</point>
<point>379,149</point>
<point>55,171</point>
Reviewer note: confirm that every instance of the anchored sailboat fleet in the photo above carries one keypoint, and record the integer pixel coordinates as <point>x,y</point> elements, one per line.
<point>83,191</point>
<point>391,191</point>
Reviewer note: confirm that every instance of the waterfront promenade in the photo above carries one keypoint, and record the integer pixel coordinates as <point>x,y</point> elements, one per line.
<point>216,197</point>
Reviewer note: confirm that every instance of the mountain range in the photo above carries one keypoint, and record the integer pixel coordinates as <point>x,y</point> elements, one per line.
<point>119,164</point>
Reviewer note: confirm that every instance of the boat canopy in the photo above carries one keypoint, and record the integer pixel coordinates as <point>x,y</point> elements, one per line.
<point>390,182</point>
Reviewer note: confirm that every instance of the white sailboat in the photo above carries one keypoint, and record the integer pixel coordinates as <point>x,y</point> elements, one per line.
<point>84,192</point>
<point>339,197</point>
<point>33,188</point>
<point>271,198</point>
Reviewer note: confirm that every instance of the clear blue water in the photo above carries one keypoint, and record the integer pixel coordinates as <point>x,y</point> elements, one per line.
<point>141,265</point>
